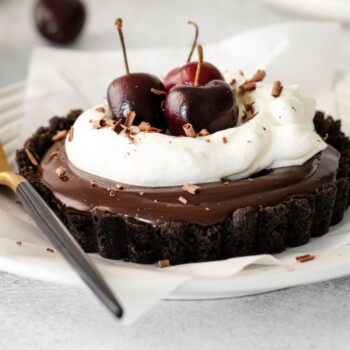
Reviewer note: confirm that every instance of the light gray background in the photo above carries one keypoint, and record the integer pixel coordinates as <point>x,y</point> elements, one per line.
<point>37,315</point>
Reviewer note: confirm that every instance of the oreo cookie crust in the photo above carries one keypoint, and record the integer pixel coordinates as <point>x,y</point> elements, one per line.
<point>247,231</point>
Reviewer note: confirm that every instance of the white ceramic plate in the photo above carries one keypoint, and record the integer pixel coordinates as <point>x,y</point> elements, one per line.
<point>338,10</point>
<point>252,280</point>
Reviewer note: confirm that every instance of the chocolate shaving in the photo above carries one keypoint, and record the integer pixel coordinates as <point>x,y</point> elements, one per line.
<point>110,122</point>
<point>100,109</point>
<point>93,183</point>
<point>203,132</point>
<point>98,124</point>
<point>163,263</point>
<point>182,200</point>
<point>60,172</point>
<point>130,119</point>
<point>59,135</point>
<point>119,186</point>
<point>276,88</point>
<point>250,117</point>
<point>52,155</point>
<point>241,91</point>
<point>158,92</point>
<point>304,258</point>
<point>112,192</point>
<point>249,107</point>
<point>144,126</point>
<point>190,188</point>
<point>118,126</point>
<point>50,250</point>
<point>258,76</point>
<point>31,157</point>
<point>152,129</point>
<point>189,131</point>
<point>224,139</point>
<point>249,86</point>
<point>19,242</point>
<point>100,209</point>
<point>70,134</point>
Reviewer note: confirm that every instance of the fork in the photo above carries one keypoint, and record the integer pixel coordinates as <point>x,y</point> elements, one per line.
<point>58,235</point>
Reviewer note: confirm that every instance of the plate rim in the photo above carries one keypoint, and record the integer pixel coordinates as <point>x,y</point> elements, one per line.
<point>202,288</point>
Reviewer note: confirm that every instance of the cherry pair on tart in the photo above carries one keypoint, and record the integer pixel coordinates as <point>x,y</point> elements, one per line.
<point>194,94</point>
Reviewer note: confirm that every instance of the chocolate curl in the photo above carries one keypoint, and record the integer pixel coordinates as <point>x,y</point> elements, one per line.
<point>203,132</point>
<point>190,188</point>
<point>258,76</point>
<point>130,119</point>
<point>189,131</point>
<point>276,88</point>
<point>59,135</point>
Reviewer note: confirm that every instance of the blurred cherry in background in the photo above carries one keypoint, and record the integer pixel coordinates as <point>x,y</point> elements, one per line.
<point>60,21</point>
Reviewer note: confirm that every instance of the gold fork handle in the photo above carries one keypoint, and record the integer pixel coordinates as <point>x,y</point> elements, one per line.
<point>66,245</point>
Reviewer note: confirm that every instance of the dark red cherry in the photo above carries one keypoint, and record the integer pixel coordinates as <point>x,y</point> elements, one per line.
<point>60,21</point>
<point>212,107</point>
<point>141,93</point>
<point>186,75</point>
<point>133,92</point>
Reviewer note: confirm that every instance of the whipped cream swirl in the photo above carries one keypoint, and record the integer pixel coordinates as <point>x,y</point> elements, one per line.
<point>281,134</point>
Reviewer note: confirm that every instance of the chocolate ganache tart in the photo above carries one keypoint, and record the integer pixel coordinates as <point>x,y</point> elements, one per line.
<point>199,167</point>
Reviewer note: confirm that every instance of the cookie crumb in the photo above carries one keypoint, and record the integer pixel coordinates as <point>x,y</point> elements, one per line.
<point>50,250</point>
<point>19,242</point>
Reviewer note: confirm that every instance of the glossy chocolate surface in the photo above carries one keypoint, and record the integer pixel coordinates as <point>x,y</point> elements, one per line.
<point>213,203</point>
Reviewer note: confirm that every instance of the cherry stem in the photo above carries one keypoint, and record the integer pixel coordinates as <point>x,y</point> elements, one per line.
<point>194,41</point>
<point>199,65</point>
<point>119,24</point>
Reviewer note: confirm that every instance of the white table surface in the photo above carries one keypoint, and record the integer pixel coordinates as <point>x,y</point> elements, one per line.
<point>38,315</point>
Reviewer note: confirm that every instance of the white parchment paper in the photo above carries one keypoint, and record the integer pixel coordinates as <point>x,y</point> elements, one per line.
<point>60,80</point>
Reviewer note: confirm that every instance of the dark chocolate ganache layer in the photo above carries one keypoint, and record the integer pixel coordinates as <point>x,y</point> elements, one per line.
<point>79,192</point>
